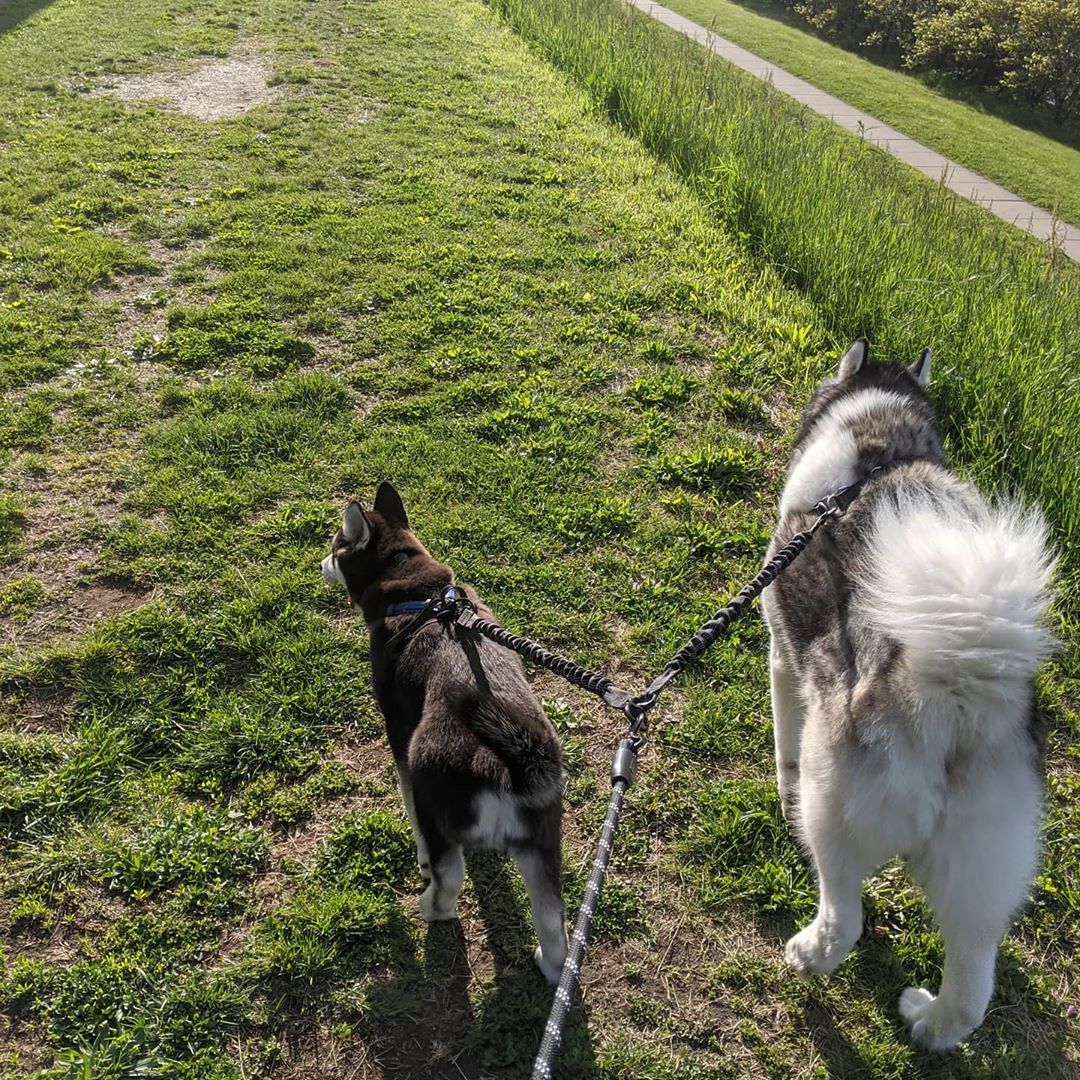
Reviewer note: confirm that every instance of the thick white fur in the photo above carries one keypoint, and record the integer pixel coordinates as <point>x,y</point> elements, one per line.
<point>829,461</point>
<point>964,589</point>
<point>944,771</point>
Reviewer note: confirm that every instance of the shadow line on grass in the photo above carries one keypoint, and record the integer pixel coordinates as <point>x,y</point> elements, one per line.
<point>14,12</point>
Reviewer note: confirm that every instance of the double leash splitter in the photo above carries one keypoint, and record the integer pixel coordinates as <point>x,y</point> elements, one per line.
<point>452,606</point>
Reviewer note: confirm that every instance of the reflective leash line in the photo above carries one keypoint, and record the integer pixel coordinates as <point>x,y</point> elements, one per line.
<point>622,776</point>
<point>453,606</point>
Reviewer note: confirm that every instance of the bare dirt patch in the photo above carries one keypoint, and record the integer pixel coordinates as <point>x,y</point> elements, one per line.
<point>59,552</point>
<point>215,91</point>
<point>38,711</point>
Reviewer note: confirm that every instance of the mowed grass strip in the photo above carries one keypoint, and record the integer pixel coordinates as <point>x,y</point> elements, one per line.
<point>1026,153</point>
<point>880,250</point>
<point>426,259</point>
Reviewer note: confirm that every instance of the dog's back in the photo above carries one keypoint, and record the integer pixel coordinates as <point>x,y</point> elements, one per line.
<point>905,642</point>
<point>463,719</point>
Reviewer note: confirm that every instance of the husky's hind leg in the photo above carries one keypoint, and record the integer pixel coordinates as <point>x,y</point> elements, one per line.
<point>975,873</point>
<point>541,870</point>
<point>438,902</point>
<point>423,859</point>
<point>841,861</point>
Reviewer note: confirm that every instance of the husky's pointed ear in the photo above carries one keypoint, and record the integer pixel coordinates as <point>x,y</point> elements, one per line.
<point>388,503</point>
<point>921,368</point>
<point>853,359</point>
<point>355,529</point>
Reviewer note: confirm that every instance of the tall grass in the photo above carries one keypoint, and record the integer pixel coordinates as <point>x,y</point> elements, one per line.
<point>879,249</point>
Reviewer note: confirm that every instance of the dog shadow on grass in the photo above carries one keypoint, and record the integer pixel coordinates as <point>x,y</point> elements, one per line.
<point>423,1023</point>
<point>1017,1038</point>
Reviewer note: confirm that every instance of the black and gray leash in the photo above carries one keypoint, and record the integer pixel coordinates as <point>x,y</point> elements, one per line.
<point>453,606</point>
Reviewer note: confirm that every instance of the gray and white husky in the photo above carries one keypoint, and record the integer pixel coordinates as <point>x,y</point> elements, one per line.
<point>904,643</point>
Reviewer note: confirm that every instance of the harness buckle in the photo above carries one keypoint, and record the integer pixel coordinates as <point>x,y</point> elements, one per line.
<point>456,606</point>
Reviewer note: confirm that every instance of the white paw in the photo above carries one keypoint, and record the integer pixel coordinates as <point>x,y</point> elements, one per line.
<point>814,951</point>
<point>933,1025</point>
<point>913,1001</point>
<point>550,971</point>
<point>431,911</point>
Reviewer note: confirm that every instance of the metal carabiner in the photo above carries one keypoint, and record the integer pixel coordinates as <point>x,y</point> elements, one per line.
<point>636,711</point>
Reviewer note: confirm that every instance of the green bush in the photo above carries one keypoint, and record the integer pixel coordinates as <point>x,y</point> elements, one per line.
<point>1029,49</point>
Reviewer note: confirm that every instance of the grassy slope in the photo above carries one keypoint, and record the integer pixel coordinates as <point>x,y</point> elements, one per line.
<point>1032,164</point>
<point>430,262</point>
<point>880,249</point>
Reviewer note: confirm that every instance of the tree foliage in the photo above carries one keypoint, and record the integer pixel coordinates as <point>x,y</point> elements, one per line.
<point>1026,49</point>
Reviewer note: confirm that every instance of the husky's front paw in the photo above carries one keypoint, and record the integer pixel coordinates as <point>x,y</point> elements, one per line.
<point>550,971</point>
<point>815,950</point>
<point>933,1024</point>
<point>435,908</point>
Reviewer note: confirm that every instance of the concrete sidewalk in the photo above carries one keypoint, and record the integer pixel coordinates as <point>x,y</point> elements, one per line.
<point>1004,204</point>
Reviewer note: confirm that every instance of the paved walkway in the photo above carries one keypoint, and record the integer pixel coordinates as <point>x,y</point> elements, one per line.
<point>978,189</point>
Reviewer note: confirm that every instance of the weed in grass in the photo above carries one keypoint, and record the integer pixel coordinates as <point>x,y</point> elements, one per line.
<point>196,847</point>
<point>322,935</point>
<point>368,851</point>
<point>289,804</point>
<point>740,406</point>
<point>668,386</point>
<point>20,597</point>
<point>720,468</point>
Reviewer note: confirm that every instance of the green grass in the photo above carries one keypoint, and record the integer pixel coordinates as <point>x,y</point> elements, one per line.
<point>1028,157</point>
<point>432,260</point>
<point>879,249</point>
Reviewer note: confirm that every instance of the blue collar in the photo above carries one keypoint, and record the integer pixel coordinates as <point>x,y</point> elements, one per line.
<point>407,607</point>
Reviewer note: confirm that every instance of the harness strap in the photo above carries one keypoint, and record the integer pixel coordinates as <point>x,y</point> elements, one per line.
<point>406,607</point>
<point>842,499</point>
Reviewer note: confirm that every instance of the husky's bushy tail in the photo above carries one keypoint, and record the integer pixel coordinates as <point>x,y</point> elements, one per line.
<point>963,586</point>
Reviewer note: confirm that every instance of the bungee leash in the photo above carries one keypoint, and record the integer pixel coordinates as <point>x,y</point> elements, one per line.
<point>452,606</point>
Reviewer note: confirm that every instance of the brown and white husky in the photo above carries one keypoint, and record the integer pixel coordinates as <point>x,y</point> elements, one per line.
<point>479,763</point>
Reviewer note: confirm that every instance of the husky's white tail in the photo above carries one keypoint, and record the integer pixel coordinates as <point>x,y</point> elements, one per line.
<point>963,586</point>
